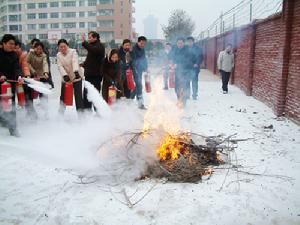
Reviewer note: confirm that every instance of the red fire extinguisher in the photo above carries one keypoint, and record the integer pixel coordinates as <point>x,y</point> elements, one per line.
<point>172,77</point>
<point>112,95</point>
<point>68,97</point>
<point>130,79</point>
<point>147,83</point>
<point>20,94</point>
<point>34,94</point>
<point>6,98</point>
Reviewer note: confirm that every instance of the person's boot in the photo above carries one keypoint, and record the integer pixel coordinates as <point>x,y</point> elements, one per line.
<point>141,104</point>
<point>14,132</point>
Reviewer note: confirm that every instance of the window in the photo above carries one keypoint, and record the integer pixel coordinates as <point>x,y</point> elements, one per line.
<point>69,25</point>
<point>92,13</point>
<point>14,18</point>
<point>43,36</point>
<point>92,2</point>
<point>31,6</point>
<point>54,25</point>
<point>82,25</point>
<point>43,15</point>
<point>43,26</point>
<point>106,1</point>
<point>122,10</point>
<point>54,15</point>
<point>54,4</point>
<point>31,26</point>
<point>14,8</point>
<point>69,36</point>
<point>68,14</point>
<point>107,36</point>
<point>31,36</point>
<point>81,14</point>
<point>106,23</point>
<point>106,12</point>
<point>31,16</point>
<point>92,25</point>
<point>13,28</point>
<point>69,4</point>
<point>42,5</point>
<point>82,3</point>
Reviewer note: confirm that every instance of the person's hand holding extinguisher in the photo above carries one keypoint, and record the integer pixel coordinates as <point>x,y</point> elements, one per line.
<point>2,78</point>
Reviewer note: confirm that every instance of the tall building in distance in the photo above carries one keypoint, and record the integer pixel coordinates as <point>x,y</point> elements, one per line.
<point>53,19</point>
<point>151,27</point>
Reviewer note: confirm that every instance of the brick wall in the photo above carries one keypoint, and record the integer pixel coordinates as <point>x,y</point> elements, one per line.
<point>267,59</point>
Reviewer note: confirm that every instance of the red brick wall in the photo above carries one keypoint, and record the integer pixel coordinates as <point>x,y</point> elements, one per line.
<point>210,50</point>
<point>268,61</point>
<point>293,88</point>
<point>242,75</point>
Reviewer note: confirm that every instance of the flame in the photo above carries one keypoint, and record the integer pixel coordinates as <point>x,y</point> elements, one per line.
<point>173,147</point>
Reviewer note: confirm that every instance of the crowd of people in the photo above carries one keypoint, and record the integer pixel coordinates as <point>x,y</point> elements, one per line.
<point>102,70</point>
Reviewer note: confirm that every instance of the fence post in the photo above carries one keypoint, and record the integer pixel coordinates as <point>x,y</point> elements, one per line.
<point>233,21</point>
<point>221,22</point>
<point>251,11</point>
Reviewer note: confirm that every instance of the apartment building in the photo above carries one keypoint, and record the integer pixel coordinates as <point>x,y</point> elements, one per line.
<point>53,19</point>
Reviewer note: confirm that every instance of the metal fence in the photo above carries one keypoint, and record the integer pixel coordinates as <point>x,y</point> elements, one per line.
<point>243,13</point>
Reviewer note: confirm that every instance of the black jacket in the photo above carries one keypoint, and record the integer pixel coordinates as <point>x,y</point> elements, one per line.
<point>183,58</point>
<point>94,59</point>
<point>140,62</point>
<point>198,54</point>
<point>9,65</point>
<point>125,64</point>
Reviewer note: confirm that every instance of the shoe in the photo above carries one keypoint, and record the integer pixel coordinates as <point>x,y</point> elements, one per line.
<point>14,132</point>
<point>165,88</point>
<point>225,92</point>
<point>195,98</point>
<point>142,107</point>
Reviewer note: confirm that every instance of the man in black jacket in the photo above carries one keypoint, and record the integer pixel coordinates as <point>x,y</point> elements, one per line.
<point>184,61</point>
<point>125,63</point>
<point>195,70</point>
<point>9,70</point>
<point>93,63</point>
<point>140,65</point>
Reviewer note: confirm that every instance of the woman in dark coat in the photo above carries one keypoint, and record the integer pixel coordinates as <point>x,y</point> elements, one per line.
<point>112,74</point>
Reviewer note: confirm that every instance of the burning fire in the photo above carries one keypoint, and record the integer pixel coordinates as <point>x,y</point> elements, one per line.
<point>173,147</point>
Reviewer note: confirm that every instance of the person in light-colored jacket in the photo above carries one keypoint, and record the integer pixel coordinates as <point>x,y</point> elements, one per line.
<point>68,66</point>
<point>225,66</point>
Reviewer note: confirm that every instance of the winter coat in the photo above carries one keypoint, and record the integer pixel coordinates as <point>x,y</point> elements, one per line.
<point>183,58</point>
<point>125,62</point>
<point>9,65</point>
<point>140,63</point>
<point>94,59</point>
<point>68,64</point>
<point>111,75</point>
<point>198,54</point>
<point>225,61</point>
<point>23,63</point>
<point>38,64</point>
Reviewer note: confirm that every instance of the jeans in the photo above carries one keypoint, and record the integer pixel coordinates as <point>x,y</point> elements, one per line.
<point>138,92</point>
<point>195,81</point>
<point>225,80</point>
<point>182,83</point>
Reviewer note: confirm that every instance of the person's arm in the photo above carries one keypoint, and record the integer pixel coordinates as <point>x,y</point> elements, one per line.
<point>61,68</point>
<point>45,66</point>
<point>220,59</point>
<point>24,64</point>
<point>17,69</point>
<point>95,49</point>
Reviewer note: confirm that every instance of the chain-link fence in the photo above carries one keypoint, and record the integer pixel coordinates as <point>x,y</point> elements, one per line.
<point>243,13</point>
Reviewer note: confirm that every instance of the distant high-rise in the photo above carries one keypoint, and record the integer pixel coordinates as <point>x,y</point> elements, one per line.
<point>52,19</point>
<point>151,27</point>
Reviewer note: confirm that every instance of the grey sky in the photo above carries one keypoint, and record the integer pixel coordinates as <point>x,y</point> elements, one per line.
<point>203,12</point>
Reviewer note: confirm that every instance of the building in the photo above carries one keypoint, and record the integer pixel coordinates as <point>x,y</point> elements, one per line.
<point>151,27</point>
<point>54,19</point>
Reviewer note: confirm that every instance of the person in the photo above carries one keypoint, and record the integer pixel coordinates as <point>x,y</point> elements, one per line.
<point>46,51</point>
<point>140,65</point>
<point>68,67</point>
<point>225,66</point>
<point>167,64</point>
<point>125,55</point>
<point>39,70</point>
<point>112,74</point>
<point>195,70</point>
<point>183,60</point>
<point>22,55</point>
<point>93,63</point>
<point>9,70</point>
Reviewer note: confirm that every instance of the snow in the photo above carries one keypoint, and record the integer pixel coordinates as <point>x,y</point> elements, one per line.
<point>39,171</point>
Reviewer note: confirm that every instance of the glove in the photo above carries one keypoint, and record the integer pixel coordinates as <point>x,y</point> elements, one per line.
<point>66,78</point>
<point>77,76</point>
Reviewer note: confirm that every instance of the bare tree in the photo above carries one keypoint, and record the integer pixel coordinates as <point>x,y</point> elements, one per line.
<point>180,25</point>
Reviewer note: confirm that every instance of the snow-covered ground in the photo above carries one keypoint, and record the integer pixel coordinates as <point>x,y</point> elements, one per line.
<point>39,171</point>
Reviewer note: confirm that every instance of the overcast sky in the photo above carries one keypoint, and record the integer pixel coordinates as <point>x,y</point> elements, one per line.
<point>203,12</point>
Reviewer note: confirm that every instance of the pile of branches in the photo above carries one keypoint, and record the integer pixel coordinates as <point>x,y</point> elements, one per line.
<point>195,163</point>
